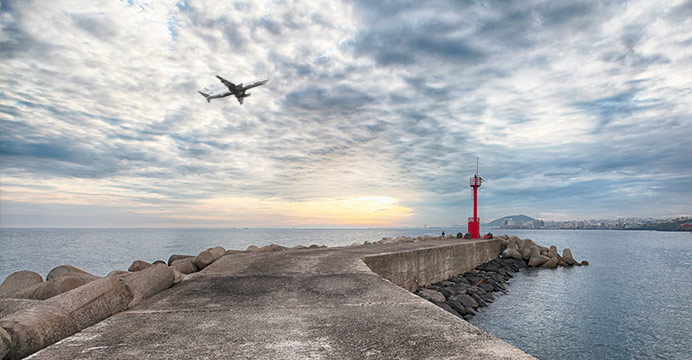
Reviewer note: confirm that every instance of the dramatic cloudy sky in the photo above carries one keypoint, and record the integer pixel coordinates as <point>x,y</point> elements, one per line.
<point>374,113</point>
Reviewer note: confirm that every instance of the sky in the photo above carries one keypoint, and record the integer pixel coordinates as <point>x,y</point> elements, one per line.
<point>373,116</point>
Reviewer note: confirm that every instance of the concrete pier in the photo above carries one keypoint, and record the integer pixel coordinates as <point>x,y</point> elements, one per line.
<point>301,304</point>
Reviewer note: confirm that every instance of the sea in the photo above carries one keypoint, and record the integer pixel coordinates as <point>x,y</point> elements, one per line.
<point>634,300</point>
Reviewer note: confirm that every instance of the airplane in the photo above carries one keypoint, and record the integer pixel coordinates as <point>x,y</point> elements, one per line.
<point>233,89</point>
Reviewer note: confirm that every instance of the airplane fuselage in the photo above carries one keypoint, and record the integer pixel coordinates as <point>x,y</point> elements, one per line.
<point>220,94</point>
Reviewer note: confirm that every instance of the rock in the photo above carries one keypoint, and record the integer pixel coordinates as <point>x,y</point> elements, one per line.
<point>313,246</point>
<point>460,308</point>
<point>138,265</point>
<point>459,280</point>
<point>207,257</point>
<point>486,286</point>
<point>175,257</point>
<point>562,263</point>
<point>486,296</point>
<point>550,264</point>
<point>253,248</point>
<point>459,288</point>
<point>301,247</point>
<point>444,291</point>
<point>67,269</point>
<point>478,299</point>
<point>159,262</point>
<point>567,257</point>
<point>185,266</point>
<point>466,300</point>
<point>234,252</point>
<point>584,262</point>
<point>434,296</point>
<point>19,280</point>
<point>449,309</point>
<point>536,259</point>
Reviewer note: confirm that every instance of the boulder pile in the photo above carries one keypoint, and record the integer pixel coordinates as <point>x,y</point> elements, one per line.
<point>536,255</point>
<point>463,294</point>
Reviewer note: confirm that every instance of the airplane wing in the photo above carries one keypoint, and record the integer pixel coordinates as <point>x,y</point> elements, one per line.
<point>230,85</point>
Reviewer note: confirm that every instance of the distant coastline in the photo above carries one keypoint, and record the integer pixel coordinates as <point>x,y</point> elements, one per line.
<point>555,228</point>
<point>514,222</point>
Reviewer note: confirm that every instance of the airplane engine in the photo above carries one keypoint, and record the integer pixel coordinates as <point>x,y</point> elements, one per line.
<point>246,94</point>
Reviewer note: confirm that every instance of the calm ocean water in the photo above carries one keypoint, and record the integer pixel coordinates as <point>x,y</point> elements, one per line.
<point>99,251</point>
<point>633,302</point>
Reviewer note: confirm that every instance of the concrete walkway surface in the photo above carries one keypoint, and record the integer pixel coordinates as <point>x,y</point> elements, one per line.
<point>296,304</point>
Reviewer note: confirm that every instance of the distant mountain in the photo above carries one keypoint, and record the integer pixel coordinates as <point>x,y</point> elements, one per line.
<point>516,219</point>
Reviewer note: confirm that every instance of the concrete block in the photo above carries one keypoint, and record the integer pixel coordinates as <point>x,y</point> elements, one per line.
<point>5,343</point>
<point>148,282</point>
<point>138,265</point>
<point>63,270</point>
<point>207,257</point>
<point>53,287</point>
<point>61,316</point>
<point>33,329</point>
<point>18,281</point>
<point>185,266</point>
<point>175,257</point>
<point>93,302</point>
<point>9,306</point>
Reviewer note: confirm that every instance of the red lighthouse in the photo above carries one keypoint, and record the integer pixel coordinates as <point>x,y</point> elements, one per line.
<point>475,221</point>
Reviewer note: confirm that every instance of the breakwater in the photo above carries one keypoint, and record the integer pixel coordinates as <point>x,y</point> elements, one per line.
<point>468,291</point>
<point>293,303</point>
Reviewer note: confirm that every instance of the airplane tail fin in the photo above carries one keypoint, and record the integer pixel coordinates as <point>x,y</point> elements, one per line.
<point>206,96</point>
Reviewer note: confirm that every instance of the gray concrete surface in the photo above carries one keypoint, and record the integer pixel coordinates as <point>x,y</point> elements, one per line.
<point>303,304</point>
